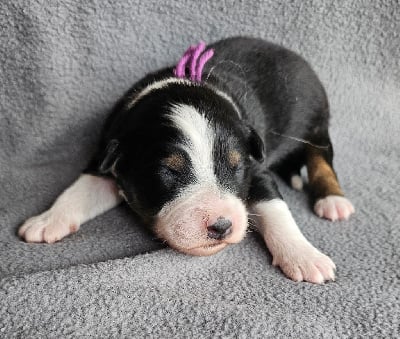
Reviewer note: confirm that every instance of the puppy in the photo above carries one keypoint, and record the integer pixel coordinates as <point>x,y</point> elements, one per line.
<point>193,155</point>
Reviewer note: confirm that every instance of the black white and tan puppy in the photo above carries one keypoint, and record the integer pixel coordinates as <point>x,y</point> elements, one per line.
<point>194,158</point>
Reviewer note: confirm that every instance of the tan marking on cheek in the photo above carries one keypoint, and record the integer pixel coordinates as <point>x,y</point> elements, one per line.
<point>321,176</point>
<point>234,158</point>
<point>175,161</point>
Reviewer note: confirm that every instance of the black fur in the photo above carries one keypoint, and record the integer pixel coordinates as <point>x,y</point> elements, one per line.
<point>278,95</point>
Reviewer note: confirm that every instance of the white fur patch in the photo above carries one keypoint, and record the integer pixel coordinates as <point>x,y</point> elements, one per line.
<point>199,141</point>
<point>157,85</point>
<point>165,82</point>
<point>291,251</point>
<point>296,182</point>
<point>86,198</point>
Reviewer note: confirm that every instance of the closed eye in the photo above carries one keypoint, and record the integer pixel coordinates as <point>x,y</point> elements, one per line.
<point>170,170</point>
<point>174,163</point>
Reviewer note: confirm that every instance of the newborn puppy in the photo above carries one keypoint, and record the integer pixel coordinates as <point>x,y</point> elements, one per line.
<point>192,155</point>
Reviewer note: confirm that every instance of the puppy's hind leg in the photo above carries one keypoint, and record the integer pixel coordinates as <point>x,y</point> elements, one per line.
<point>289,168</point>
<point>86,198</point>
<point>329,200</point>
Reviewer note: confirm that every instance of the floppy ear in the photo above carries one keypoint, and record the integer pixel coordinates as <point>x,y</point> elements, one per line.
<point>110,156</point>
<point>256,145</point>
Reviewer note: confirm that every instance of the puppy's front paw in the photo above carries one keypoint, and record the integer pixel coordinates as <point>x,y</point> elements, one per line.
<point>334,207</point>
<point>305,263</point>
<point>47,227</point>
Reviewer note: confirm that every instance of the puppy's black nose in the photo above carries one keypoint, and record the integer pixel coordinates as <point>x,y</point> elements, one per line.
<point>220,229</point>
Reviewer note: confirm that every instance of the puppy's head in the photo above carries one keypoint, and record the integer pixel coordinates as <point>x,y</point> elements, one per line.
<point>182,164</point>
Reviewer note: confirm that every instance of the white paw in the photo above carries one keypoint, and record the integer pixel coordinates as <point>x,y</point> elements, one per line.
<point>333,207</point>
<point>305,263</point>
<point>296,182</point>
<point>47,227</point>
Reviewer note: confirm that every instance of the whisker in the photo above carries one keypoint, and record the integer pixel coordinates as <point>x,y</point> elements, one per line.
<point>298,139</point>
<point>235,64</point>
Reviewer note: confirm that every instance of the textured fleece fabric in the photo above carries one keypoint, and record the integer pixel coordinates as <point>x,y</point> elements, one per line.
<point>62,66</point>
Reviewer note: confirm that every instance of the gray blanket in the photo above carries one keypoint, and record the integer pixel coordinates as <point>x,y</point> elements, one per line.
<point>62,66</point>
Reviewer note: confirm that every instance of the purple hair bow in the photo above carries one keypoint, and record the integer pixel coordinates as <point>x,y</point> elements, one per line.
<point>194,58</point>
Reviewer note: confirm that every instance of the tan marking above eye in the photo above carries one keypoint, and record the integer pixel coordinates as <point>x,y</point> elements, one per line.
<point>234,158</point>
<point>175,161</point>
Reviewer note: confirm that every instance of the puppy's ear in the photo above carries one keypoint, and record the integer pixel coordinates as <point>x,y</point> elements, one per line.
<point>111,154</point>
<point>256,145</point>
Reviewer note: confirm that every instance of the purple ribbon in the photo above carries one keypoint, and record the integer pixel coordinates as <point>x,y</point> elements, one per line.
<point>196,57</point>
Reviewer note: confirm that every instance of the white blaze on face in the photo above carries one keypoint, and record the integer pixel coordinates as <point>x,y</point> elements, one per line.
<point>199,141</point>
<point>183,222</point>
